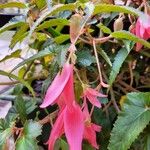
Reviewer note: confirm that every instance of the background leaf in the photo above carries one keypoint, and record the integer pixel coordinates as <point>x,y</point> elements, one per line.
<point>129,36</point>
<point>13,4</point>
<point>119,59</point>
<point>134,117</point>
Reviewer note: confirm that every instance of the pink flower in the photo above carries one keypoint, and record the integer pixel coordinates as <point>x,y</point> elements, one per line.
<point>91,95</point>
<point>61,88</point>
<point>90,129</point>
<point>142,30</point>
<point>70,121</point>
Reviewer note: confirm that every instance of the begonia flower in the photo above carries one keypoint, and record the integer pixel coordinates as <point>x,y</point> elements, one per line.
<point>91,95</point>
<point>142,30</point>
<point>70,121</point>
<point>90,129</point>
<point>61,86</point>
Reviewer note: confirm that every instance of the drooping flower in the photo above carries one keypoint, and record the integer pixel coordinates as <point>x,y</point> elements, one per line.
<point>70,121</point>
<point>60,87</point>
<point>91,95</point>
<point>142,30</point>
<point>90,129</point>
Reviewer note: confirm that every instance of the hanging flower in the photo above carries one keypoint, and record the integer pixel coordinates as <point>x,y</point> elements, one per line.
<point>91,95</point>
<point>90,129</point>
<point>61,87</point>
<point>142,30</point>
<point>70,121</point>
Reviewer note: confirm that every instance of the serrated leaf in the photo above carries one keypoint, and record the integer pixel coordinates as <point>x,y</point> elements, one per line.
<point>119,59</point>
<point>129,36</point>
<point>20,107</point>
<point>5,135</point>
<point>6,129</point>
<point>15,54</point>
<point>85,58</point>
<point>10,26</point>
<point>30,105</point>
<point>107,8</point>
<point>25,143</point>
<point>13,4</point>
<point>51,23</point>
<point>18,79</point>
<point>104,55</point>
<point>19,35</point>
<point>131,121</point>
<point>31,130</point>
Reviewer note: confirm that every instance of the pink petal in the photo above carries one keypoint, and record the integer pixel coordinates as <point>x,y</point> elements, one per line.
<point>97,128</point>
<point>137,28</point>
<point>74,126</point>
<point>86,113</point>
<point>94,100</point>
<point>56,132</point>
<point>95,93</point>
<point>68,92</point>
<point>57,86</point>
<point>138,46</point>
<point>90,136</point>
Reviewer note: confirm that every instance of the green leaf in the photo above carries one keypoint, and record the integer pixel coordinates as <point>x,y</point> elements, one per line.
<point>51,23</point>
<point>15,54</point>
<point>31,130</point>
<point>128,44</point>
<point>25,143</point>
<point>18,79</point>
<point>61,144</point>
<point>85,58</point>
<point>20,108</point>
<point>40,3</point>
<point>30,105</point>
<point>19,35</point>
<point>13,4</point>
<point>107,8</point>
<point>134,117</point>
<point>147,142</point>
<point>50,50</point>
<point>129,36</point>
<point>104,28</point>
<point>10,26</point>
<point>6,129</point>
<point>54,10</point>
<point>119,59</point>
<point>104,55</point>
<point>61,56</point>
<point>62,38</point>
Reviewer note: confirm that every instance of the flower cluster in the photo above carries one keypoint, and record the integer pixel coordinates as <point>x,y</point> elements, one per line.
<point>73,120</point>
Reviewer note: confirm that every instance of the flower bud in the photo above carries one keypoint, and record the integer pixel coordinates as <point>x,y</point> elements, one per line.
<point>118,24</point>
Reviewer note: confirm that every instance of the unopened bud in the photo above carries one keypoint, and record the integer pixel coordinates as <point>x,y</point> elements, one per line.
<point>118,24</point>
